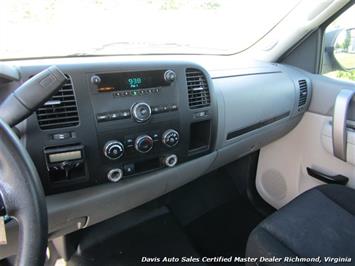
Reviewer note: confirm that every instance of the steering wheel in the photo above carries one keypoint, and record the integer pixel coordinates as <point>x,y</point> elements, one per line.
<point>23,197</point>
<point>21,190</point>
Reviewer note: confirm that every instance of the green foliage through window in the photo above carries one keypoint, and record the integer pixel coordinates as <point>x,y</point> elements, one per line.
<point>347,75</point>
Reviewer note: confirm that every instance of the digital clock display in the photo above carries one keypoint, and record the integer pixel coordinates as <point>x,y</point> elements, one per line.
<point>131,80</point>
<point>135,83</point>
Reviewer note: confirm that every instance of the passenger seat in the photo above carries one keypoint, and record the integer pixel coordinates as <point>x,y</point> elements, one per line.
<point>319,222</point>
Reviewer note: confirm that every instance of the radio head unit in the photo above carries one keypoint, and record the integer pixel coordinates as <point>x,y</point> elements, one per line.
<point>123,81</point>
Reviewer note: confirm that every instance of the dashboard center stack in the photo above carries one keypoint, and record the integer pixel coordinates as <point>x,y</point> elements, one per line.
<point>138,120</point>
<point>121,121</point>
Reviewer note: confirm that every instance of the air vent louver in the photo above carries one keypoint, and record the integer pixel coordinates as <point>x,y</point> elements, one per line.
<point>199,95</point>
<point>60,110</point>
<point>303,92</point>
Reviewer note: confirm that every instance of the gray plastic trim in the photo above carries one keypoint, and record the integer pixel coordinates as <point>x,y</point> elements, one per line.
<point>105,201</point>
<point>96,204</point>
<point>9,72</point>
<point>253,141</point>
<point>325,90</point>
<point>248,100</point>
<point>340,115</point>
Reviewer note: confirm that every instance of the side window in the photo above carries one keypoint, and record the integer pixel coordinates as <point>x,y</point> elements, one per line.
<point>339,47</point>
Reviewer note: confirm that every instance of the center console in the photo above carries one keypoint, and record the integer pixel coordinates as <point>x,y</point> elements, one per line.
<point>129,121</point>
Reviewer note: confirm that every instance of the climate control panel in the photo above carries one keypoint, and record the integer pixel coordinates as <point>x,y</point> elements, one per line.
<point>143,144</point>
<point>127,155</point>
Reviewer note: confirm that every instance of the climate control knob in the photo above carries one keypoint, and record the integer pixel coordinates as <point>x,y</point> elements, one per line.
<point>113,149</point>
<point>115,175</point>
<point>141,112</point>
<point>143,144</point>
<point>170,138</point>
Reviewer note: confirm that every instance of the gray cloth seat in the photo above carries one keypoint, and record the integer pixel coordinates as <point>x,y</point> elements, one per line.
<point>319,222</point>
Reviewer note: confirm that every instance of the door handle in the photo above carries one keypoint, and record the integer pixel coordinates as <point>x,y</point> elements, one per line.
<point>340,114</point>
<point>330,179</point>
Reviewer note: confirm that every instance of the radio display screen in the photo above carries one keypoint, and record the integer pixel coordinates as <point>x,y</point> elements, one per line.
<point>131,80</point>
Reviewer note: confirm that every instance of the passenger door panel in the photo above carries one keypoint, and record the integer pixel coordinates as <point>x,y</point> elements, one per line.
<point>281,173</point>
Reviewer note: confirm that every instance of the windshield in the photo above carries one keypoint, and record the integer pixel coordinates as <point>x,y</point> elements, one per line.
<point>50,28</point>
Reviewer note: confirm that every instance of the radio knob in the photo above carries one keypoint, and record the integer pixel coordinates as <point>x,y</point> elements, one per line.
<point>170,138</point>
<point>141,112</point>
<point>169,76</point>
<point>115,175</point>
<point>170,160</point>
<point>143,144</point>
<point>95,79</point>
<point>113,149</point>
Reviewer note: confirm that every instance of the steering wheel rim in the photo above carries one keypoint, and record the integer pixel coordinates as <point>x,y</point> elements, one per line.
<point>22,194</point>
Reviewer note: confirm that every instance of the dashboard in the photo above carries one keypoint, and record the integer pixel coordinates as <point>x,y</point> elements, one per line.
<point>123,131</point>
<point>112,123</point>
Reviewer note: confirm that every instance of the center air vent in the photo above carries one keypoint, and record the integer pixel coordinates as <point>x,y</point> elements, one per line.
<point>60,110</point>
<point>303,92</point>
<point>199,95</point>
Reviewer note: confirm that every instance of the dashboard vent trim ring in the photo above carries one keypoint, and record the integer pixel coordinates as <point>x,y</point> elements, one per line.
<point>61,110</point>
<point>197,88</point>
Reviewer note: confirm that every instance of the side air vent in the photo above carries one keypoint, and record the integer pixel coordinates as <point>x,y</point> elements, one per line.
<point>60,110</point>
<point>197,87</point>
<point>303,92</point>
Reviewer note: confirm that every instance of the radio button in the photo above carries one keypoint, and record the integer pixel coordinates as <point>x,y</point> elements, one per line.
<point>102,117</point>
<point>172,107</point>
<point>155,109</point>
<point>162,109</point>
<point>114,116</point>
<point>125,114</point>
<point>143,144</point>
